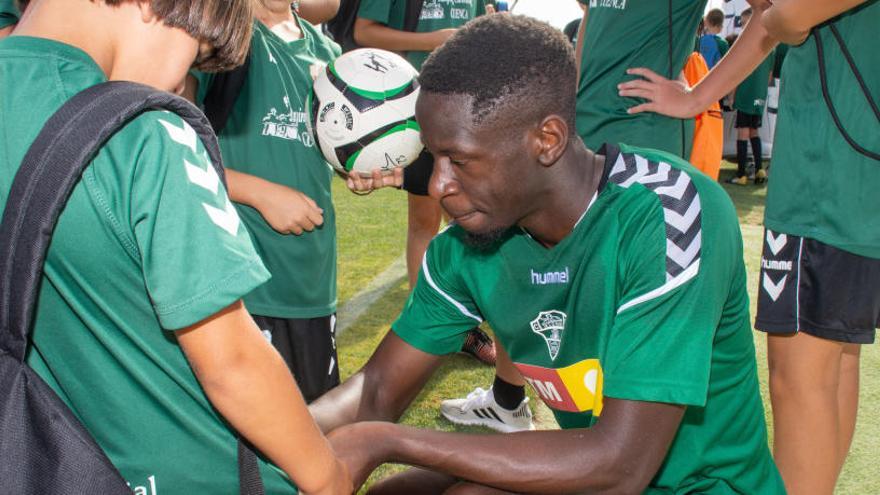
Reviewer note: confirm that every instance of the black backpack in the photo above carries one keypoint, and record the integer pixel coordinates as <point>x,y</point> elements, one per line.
<point>341,27</point>
<point>43,447</point>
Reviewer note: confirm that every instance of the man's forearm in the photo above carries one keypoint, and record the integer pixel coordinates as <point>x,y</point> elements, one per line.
<point>381,391</point>
<point>620,454</point>
<point>560,461</point>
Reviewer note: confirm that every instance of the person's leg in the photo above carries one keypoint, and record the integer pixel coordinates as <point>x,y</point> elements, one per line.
<point>755,140</point>
<point>509,387</point>
<point>742,149</point>
<point>424,215</point>
<point>848,398</point>
<point>503,407</point>
<point>804,388</point>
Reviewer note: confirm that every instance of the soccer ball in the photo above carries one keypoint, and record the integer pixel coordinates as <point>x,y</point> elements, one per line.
<point>363,112</point>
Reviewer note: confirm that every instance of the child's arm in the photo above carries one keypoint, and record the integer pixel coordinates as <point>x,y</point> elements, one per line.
<point>790,21</point>
<point>374,34</point>
<point>249,384</point>
<point>675,100</point>
<point>285,209</point>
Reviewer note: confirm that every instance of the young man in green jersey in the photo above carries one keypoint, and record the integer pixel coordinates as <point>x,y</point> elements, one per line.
<point>613,36</point>
<point>613,279</point>
<point>822,230</point>
<point>139,325</point>
<point>281,186</point>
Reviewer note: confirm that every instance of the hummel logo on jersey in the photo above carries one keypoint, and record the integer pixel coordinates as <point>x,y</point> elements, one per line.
<point>549,278</point>
<point>776,265</point>
<point>774,290</point>
<point>776,243</point>
<point>681,207</point>
<point>227,217</point>
<point>550,325</point>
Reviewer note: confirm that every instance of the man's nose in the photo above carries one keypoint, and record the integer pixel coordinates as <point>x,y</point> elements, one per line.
<point>442,180</point>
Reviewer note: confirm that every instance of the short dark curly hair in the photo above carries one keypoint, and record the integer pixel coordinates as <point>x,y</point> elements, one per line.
<point>506,62</point>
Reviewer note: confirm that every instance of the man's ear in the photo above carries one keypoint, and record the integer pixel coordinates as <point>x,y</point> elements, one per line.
<point>552,139</point>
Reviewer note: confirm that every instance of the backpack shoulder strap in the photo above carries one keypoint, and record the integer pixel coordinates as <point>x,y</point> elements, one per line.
<point>341,27</point>
<point>50,170</point>
<point>413,11</point>
<point>221,96</point>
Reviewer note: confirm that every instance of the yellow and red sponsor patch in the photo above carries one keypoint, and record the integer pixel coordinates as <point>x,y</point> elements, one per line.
<point>575,388</point>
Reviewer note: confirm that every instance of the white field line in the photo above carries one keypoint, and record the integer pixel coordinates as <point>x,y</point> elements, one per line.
<point>355,307</point>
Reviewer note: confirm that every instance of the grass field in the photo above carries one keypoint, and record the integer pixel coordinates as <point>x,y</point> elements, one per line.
<point>372,232</point>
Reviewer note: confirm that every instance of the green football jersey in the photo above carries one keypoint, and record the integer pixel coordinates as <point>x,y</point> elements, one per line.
<point>436,15</point>
<point>751,94</point>
<point>267,136</point>
<point>822,188</point>
<point>623,34</point>
<point>644,300</point>
<point>148,243</point>
<point>9,13</point>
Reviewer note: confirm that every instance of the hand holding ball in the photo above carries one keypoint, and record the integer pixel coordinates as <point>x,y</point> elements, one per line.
<point>363,112</point>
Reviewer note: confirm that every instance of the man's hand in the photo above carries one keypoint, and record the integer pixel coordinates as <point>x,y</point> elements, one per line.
<point>362,447</point>
<point>665,96</point>
<point>287,210</point>
<point>379,179</point>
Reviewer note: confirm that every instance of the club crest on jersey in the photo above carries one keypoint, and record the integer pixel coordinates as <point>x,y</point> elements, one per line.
<point>550,325</point>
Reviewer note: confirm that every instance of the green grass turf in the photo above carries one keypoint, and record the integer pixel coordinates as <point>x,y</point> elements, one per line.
<point>372,234</point>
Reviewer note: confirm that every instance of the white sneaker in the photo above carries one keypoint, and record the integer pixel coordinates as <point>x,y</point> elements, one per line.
<point>480,408</point>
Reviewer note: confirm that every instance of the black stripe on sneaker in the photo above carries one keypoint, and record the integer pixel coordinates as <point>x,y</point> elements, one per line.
<point>477,412</point>
<point>494,414</point>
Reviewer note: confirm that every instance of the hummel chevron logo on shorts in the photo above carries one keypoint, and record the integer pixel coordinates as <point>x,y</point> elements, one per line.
<point>681,207</point>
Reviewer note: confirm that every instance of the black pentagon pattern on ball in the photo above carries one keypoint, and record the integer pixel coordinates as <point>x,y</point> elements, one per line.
<point>362,103</point>
<point>345,152</point>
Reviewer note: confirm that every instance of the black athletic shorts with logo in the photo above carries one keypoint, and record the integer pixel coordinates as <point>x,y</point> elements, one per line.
<point>744,119</point>
<point>811,287</point>
<point>417,175</point>
<point>308,346</point>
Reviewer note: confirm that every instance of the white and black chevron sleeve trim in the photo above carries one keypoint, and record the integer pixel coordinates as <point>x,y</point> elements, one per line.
<point>681,211</point>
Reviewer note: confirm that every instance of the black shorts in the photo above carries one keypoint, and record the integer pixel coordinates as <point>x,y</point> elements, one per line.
<point>748,120</point>
<point>418,174</point>
<point>811,287</point>
<point>308,346</point>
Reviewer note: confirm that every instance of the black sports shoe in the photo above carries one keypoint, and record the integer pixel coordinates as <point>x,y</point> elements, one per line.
<point>480,346</point>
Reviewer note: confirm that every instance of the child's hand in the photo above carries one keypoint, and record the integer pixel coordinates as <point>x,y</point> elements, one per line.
<point>287,210</point>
